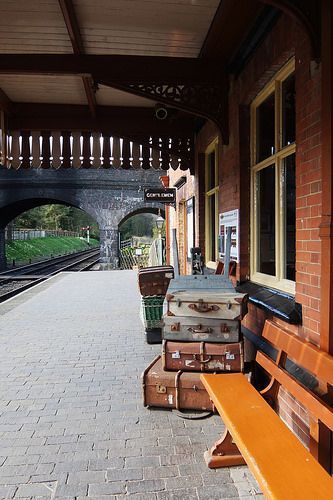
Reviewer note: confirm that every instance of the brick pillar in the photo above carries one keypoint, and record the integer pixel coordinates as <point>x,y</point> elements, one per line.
<point>3,261</point>
<point>109,248</point>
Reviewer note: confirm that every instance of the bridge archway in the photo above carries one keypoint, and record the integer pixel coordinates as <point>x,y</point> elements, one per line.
<point>155,210</point>
<point>108,196</point>
<point>144,238</point>
<point>10,212</point>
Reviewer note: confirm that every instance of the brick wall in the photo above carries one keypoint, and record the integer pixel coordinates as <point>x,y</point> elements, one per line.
<point>308,182</point>
<point>177,217</point>
<point>285,40</point>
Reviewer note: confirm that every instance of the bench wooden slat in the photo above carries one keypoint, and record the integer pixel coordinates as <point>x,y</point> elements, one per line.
<point>307,355</point>
<point>281,464</point>
<point>316,406</point>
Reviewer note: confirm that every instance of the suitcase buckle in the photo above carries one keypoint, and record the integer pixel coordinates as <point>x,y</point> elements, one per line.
<point>224,328</point>
<point>203,307</point>
<point>160,389</point>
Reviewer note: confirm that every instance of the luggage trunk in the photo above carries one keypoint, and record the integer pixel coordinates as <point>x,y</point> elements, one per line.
<point>189,329</point>
<point>173,389</point>
<point>206,304</point>
<point>206,282</point>
<point>202,357</point>
<point>155,280</point>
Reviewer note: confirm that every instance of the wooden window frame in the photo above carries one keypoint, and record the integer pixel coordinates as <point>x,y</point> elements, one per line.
<point>277,159</point>
<point>208,196</point>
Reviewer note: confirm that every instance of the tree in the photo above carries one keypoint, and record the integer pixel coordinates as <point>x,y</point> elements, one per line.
<point>56,216</point>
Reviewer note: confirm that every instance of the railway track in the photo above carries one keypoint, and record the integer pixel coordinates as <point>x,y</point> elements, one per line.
<point>19,279</point>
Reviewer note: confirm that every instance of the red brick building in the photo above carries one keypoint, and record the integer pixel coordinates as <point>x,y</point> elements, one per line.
<point>276,171</point>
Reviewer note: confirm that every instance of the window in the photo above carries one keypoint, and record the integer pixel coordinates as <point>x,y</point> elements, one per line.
<point>273,220</point>
<point>211,202</point>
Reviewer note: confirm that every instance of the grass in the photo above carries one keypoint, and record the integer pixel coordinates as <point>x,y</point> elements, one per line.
<point>37,248</point>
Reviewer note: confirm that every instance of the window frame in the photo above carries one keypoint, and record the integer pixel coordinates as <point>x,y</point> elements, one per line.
<point>209,194</point>
<point>277,159</point>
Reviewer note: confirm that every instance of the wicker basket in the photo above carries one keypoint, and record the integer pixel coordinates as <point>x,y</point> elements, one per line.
<point>152,311</point>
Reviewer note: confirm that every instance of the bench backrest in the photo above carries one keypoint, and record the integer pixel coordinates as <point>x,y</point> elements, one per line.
<point>304,354</point>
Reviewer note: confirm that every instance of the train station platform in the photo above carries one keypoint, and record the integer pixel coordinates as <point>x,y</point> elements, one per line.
<point>72,422</point>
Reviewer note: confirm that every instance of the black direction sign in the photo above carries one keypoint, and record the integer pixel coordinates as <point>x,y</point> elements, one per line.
<point>166,195</point>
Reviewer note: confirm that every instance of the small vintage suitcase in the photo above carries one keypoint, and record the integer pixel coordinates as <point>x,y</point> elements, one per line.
<point>173,389</point>
<point>189,329</point>
<point>154,280</point>
<point>228,305</point>
<point>202,356</point>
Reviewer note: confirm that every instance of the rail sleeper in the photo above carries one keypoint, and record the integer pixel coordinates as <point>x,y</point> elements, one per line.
<point>256,435</point>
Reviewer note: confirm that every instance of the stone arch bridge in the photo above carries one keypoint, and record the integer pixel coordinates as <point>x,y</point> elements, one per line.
<point>110,196</point>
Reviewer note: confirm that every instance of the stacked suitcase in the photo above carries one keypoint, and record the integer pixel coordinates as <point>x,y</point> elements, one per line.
<point>201,333</point>
<point>153,283</point>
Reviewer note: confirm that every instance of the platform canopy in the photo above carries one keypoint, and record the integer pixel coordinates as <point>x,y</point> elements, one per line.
<point>148,71</point>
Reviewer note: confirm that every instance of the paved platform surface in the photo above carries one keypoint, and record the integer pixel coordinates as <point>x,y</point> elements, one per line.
<point>72,423</point>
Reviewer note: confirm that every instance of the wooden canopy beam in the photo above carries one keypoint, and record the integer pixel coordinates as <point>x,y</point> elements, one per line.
<point>6,104</point>
<point>228,30</point>
<point>307,14</point>
<point>118,68</point>
<point>112,119</point>
<point>197,86</point>
<point>73,29</point>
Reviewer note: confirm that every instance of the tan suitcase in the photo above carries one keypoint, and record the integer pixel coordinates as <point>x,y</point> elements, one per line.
<point>206,304</point>
<point>202,356</point>
<point>189,329</point>
<point>174,389</point>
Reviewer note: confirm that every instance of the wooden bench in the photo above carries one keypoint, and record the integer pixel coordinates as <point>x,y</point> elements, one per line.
<point>255,434</point>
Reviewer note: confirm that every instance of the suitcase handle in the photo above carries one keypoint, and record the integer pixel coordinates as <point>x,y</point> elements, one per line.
<point>203,307</point>
<point>202,361</point>
<point>200,330</point>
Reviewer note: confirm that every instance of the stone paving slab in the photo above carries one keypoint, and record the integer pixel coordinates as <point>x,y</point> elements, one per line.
<point>72,423</point>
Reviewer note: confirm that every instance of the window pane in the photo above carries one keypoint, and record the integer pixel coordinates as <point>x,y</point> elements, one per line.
<point>266,220</point>
<point>211,181</point>
<point>288,111</point>
<point>290,216</point>
<point>265,118</point>
<point>212,218</point>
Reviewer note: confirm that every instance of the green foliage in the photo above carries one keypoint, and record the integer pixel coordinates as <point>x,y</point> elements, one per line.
<point>56,217</point>
<point>22,251</point>
<point>138,225</point>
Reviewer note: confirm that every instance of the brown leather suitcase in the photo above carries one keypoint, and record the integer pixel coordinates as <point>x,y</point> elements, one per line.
<point>174,389</point>
<point>202,356</point>
<point>193,329</point>
<point>154,280</point>
<point>203,303</point>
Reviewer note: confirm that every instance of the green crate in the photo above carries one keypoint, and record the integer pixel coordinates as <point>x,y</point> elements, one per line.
<point>152,311</point>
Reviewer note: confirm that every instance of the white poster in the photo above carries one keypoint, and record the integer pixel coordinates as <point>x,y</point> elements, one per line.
<point>190,225</point>
<point>229,219</point>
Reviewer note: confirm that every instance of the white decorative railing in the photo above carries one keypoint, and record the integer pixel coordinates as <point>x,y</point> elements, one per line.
<point>66,149</point>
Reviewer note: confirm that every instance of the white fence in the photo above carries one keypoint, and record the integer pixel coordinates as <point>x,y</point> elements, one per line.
<point>29,234</point>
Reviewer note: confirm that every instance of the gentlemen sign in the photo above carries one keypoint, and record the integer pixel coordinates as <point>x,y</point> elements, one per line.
<point>167,195</point>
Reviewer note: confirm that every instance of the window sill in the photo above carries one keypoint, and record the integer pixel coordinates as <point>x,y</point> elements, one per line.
<point>280,304</point>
